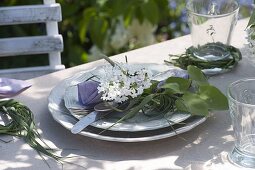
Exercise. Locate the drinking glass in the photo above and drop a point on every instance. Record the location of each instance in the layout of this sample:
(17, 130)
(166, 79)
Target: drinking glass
(241, 96)
(211, 23)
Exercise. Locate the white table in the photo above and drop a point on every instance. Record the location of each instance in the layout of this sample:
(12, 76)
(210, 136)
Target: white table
(206, 146)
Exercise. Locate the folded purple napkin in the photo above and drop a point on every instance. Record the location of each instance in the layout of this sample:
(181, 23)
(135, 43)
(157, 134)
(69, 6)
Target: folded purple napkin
(88, 94)
(12, 87)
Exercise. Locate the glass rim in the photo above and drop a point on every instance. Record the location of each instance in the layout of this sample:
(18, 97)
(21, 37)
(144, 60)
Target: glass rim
(212, 16)
(230, 97)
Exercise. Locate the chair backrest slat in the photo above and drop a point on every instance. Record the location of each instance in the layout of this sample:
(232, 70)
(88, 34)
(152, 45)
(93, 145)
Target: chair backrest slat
(30, 45)
(30, 14)
(51, 43)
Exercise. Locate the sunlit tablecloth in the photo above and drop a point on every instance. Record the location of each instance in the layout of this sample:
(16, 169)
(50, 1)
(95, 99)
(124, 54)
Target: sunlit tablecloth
(205, 147)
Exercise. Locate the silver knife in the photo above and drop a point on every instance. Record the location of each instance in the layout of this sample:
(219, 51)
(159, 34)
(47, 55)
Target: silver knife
(85, 121)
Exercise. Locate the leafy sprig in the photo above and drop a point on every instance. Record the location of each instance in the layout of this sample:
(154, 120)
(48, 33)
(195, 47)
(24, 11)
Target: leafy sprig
(194, 95)
(251, 22)
(22, 125)
(188, 58)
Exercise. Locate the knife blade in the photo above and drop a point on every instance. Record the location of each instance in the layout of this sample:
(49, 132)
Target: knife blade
(85, 121)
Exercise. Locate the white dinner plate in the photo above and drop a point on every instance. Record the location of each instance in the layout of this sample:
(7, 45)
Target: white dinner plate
(139, 122)
(61, 114)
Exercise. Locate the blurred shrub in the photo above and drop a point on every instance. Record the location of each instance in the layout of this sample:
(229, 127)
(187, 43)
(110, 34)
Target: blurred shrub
(91, 27)
(109, 26)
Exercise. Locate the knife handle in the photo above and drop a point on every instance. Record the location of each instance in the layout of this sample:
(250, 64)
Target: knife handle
(84, 122)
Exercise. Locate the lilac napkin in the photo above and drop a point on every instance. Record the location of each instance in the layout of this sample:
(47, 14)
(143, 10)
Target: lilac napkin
(88, 94)
(12, 87)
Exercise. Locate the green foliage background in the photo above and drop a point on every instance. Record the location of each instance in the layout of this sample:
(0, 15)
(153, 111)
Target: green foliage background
(86, 22)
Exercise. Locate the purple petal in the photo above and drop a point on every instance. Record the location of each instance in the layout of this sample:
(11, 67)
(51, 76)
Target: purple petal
(88, 93)
(179, 73)
(12, 87)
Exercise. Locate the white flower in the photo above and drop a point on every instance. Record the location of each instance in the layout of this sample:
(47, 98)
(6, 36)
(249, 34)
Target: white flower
(142, 33)
(123, 81)
(120, 37)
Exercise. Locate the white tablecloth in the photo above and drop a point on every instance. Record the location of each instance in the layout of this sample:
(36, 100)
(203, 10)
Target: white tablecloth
(205, 147)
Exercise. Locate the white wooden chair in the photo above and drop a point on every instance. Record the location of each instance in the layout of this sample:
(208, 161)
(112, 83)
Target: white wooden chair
(52, 44)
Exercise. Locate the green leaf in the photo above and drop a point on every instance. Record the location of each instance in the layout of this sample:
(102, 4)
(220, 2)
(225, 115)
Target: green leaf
(128, 16)
(136, 109)
(88, 14)
(194, 104)
(180, 106)
(162, 5)
(98, 30)
(252, 19)
(84, 57)
(214, 98)
(196, 75)
(150, 11)
(138, 14)
(184, 84)
(152, 88)
(132, 111)
(172, 88)
(117, 8)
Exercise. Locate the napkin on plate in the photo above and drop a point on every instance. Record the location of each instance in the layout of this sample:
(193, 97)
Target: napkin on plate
(88, 94)
(12, 87)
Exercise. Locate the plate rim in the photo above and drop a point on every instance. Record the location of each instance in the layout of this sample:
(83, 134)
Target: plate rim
(52, 110)
(178, 131)
(127, 126)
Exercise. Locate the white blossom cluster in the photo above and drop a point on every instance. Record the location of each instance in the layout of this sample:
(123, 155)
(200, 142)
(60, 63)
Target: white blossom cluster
(135, 35)
(123, 81)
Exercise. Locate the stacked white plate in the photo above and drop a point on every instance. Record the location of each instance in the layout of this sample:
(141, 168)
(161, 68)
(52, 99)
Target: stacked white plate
(64, 97)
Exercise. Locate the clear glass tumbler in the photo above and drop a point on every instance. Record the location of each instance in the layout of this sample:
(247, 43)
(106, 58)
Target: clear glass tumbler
(211, 23)
(241, 96)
